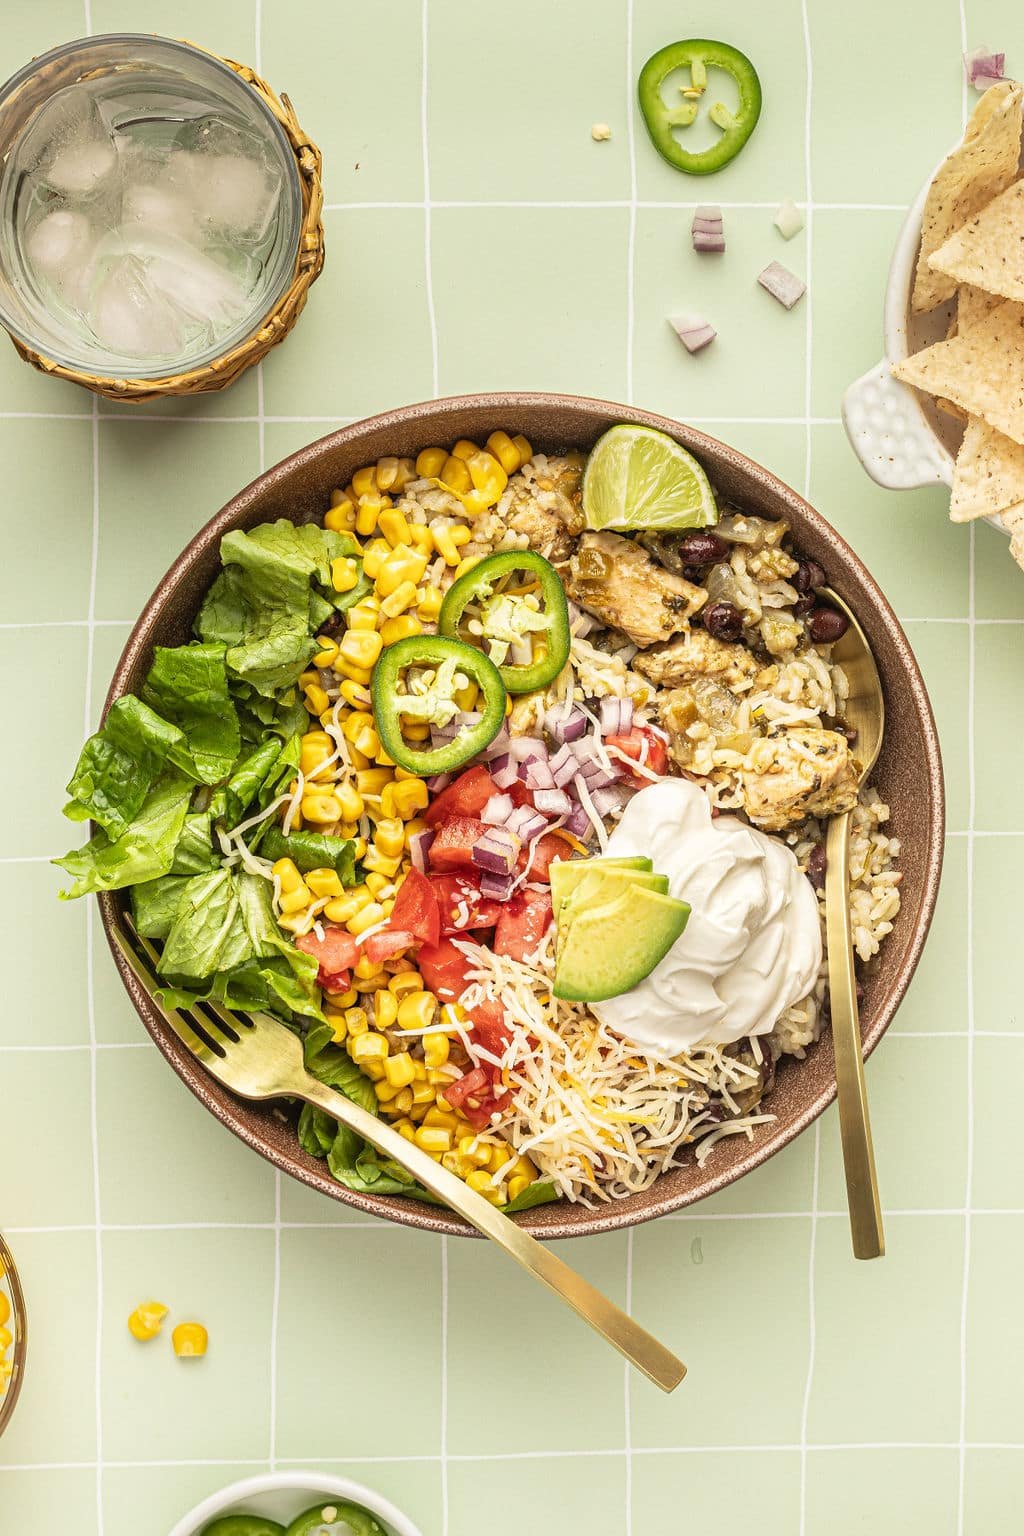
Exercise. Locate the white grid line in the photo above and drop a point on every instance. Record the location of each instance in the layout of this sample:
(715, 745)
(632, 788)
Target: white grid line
(570, 204)
(627, 1388)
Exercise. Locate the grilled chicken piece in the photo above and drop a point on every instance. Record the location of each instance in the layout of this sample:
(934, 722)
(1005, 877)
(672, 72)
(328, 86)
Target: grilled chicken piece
(803, 771)
(698, 654)
(616, 580)
(546, 531)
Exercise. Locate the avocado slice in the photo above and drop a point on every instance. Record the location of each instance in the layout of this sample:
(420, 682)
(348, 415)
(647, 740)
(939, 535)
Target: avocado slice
(566, 874)
(610, 948)
(600, 887)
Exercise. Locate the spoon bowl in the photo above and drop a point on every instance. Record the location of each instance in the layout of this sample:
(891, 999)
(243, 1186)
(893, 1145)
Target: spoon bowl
(864, 711)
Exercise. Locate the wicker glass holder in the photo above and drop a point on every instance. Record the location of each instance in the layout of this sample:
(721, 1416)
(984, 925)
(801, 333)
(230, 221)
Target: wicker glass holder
(309, 262)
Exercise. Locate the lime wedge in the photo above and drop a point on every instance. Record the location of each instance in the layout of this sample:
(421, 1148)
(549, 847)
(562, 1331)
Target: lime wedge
(639, 478)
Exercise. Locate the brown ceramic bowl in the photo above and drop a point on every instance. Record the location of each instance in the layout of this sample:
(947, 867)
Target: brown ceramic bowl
(17, 1324)
(908, 774)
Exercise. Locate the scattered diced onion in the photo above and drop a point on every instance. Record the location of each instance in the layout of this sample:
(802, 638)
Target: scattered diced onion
(496, 887)
(438, 781)
(984, 68)
(497, 810)
(504, 770)
(578, 823)
(419, 847)
(553, 802)
(564, 766)
(497, 851)
(568, 727)
(616, 715)
(524, 747)
(707, 231)
(789, 221)
(693, 331)
(539, 775)
(782, 284)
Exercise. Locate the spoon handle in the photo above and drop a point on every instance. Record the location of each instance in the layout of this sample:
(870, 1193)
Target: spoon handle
(854, 1121)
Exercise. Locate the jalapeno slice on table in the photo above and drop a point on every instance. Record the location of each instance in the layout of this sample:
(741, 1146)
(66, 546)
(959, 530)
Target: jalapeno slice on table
(415, 684)
(698, 54)
(514, 604)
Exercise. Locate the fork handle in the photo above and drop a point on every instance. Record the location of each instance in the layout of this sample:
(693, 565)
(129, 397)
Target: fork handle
(854, 1120)
(617, 1327)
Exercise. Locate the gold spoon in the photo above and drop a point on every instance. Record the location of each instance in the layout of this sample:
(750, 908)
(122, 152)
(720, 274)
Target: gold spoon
(864, 713)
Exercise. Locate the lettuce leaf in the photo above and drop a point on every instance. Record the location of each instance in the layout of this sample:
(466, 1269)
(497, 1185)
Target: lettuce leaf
(142, 852)
(188, 685)
(155, 905)
(194, 852)
(263, 607)
(311, 850)
(117, 765)
(208, 933)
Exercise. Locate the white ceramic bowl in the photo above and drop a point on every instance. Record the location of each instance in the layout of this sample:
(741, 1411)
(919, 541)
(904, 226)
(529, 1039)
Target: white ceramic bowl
(900, 436)
(283, 1495)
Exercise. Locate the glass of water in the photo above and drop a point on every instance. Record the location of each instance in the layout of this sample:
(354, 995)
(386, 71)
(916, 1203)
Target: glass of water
(150, 207)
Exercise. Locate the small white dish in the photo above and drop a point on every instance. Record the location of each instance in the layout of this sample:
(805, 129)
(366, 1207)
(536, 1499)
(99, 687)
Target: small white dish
(283, 1495)
(900, 436)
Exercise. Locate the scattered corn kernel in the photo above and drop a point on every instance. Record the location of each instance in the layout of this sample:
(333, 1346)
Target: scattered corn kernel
(380, 865)
(297, 900)
(525, 451)
(385, 1012)
(325, 882)
(516, 1186)
(288, 874)
(480, 1180)
(505, 451)
(316, 699)
(364, 481)
(339, 1027)
(367, 1045)
(403, 597)
(403, 564)
(327, 652)
(342, 516)
(146, 1321)
(465, 449)
(400, 628)
(444, 543)
(344, 574)
(433, 1138)
(190, 1341)
(430, 462)
(394, 525)
(355, 695)
(389, 838)
(398, 1070)
(367, 918)
(371, 781)
(435, 1049)
(416, 1010)
(429, 605)
(475, 1151)
(455, 475)
(322, 808)
(361, 647)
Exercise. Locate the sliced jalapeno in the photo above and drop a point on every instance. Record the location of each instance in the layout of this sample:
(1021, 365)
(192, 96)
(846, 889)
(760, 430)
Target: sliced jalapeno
(524, 627)
(696, 54)
(416, 681)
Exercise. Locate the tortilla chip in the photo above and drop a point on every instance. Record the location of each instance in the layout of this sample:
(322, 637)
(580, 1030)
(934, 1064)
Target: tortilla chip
(949, 409)
(1013, 522)
(989, 474)
(977, 171)
(982, 372)
(988, 252)
(972, 305)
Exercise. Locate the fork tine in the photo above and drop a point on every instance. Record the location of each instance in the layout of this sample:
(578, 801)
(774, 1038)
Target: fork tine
(183, 1024)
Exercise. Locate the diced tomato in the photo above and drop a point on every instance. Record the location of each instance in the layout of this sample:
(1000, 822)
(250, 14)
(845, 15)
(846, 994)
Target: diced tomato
(452, 847)
(458, 894)
(519, 792)
(549, 847)
(387, 943)
(474, 1084)
(654, 758)
(489, 1025)
(466, 797)
(522, 924)
(443, 968)
(477, 1085)
(336, 953)
(416, 908)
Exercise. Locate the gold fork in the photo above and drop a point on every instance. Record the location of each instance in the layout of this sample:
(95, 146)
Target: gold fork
(258, 1057)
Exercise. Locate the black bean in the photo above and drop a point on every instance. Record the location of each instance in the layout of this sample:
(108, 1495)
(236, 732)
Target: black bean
(826, 625)
(802, 606)
(817, 864)
(722, 621)
(692, 572)
(809, 576)
(702, 548)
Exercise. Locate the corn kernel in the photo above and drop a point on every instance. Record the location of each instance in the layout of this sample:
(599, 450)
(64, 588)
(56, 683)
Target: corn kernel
(374, 556)
(419, 538)
(342, 517)
(398, 1070)
(406, 1129)
(429, 605)
(525, 451)
(487, 476)
(376, 883)
(400, 628)
(416, 1010)
(423, 1095)
(339, 1028)
(325, 882)
(389, 838)
(356, 675)
(474, 1151)
(369, 977)
(415, 730)
(394, 525)
(355, 695)
(367, 918)
(367, 1045)
(143, 1324)
(7, 1337)
(362, 616)
(455, 475)
(308, 678)
(403, 564)
(350, 800)
(316, 700)
(465, 448)
(345, 907)
(313, 756)
(364, 481)
(402, 1102)
(403, 597)
(443, 1117)
(467, 565)
(387, 473)
(480, 1180)
(190, 1341)
(433, 1138)
(460, 534)
(430, 462)
(368, 513)
(288, 874)
(505, 451)
(516, 1187)
(379, 865)
(344, 574)
(435, 1049)
(405, 982)
(439, 1076)
(367, 742)
(501, 1157)
(385, 1011)
(321, 808)
(371, 781)
(444, 544)
(297, 900)
(456, 1164)
(466, 697)
(361, 647)
(411, 795)
(327, 652)
(355, 723)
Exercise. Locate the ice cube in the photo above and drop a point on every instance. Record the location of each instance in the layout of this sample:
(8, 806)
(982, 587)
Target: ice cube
(232, 179)
(72, 151)
(157, 207)
(129, 318)
(61, 246)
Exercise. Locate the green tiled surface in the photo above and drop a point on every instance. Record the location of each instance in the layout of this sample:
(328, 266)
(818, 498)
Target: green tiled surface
(825, 1398)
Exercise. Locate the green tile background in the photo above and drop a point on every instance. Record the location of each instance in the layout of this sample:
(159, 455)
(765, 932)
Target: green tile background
(825, 1397)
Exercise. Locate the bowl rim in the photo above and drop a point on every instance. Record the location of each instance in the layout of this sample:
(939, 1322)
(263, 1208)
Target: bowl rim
(19, 1315)
(618, 1214)
(333, 1484)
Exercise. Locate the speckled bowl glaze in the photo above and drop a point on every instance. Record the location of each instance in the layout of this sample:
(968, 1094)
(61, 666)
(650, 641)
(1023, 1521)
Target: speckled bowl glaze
(908, 775)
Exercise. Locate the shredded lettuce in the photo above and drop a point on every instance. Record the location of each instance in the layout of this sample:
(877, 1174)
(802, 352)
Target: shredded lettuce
(188, 685)
(144, 850)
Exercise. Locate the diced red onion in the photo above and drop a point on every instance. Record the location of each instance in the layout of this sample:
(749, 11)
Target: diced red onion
(438, 781)
(521, 653)
(443, 735)
(504, 770)
(596, 775)
(693, 331)
(539, 775)
(499, 745)
(524, 747)
(526, 823)
(789, 221)
(616, 715)
(497, 810)
(419, 847)
(782, 284)
(606, 800)
(568, 727)
(496, 852)
(581, 621)
(707, 230)
(563, 766)
(496, 887)
(984, 68)
(579, 823)
(553, 802)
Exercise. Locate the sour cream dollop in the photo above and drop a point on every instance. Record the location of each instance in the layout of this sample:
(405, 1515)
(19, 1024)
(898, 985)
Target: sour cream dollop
(752, 946)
